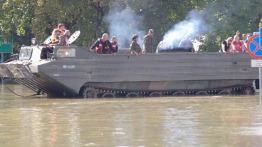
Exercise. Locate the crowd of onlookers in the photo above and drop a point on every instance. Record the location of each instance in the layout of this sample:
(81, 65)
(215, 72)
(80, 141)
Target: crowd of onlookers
(104, 46)
(60, 36)
(235, 44)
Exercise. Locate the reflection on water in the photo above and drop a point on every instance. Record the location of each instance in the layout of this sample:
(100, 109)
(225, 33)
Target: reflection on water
(187, 121)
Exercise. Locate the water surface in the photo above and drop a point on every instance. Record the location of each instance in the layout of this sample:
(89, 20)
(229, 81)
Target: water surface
(141, 122)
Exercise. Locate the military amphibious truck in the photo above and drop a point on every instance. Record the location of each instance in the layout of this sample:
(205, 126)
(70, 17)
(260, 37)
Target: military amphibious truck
(72, 71)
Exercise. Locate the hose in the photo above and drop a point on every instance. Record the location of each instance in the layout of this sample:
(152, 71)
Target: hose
(16, 93)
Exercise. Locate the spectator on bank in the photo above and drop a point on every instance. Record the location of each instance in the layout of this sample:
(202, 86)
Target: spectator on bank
(225, 45)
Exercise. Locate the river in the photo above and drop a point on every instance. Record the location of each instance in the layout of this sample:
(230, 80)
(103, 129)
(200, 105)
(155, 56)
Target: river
(210, 121)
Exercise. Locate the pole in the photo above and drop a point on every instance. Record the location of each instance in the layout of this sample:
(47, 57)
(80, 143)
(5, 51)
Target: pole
(260, 68)
(260, 38)
(2, 57)
(260, 83)
(2, 61)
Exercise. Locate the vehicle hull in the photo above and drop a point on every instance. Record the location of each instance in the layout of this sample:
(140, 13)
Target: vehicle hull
(70, 76)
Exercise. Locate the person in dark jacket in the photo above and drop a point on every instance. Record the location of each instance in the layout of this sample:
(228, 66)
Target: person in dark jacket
(102, 45)
(187, 44)
(225, 45)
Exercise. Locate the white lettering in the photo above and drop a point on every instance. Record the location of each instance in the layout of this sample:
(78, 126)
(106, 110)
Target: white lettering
(69, 66)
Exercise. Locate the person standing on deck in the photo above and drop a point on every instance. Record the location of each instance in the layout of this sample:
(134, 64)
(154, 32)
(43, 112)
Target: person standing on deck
(135, 47)
(102, 45)
(114, 45)
(237, 45)
(148, 46)
(225, 45)
(187, 44)
(62, 28)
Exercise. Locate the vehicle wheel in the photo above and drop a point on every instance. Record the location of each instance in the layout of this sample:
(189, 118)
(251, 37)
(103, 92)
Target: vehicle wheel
(179, 93)
(224, 92)
(132, 95)
(108, 95)
(201, 93)
(90, 92)
(249, 91)
(155, 94)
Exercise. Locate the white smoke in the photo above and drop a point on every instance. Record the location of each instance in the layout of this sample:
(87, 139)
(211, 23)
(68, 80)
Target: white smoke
(193, 26)
(124, 25)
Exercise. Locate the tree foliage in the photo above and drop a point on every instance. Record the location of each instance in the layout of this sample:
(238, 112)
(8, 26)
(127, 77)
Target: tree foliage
(24, 19)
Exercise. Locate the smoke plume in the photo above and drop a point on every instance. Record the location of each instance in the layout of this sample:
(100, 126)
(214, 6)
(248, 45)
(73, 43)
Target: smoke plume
(193, 26)
(124, 24)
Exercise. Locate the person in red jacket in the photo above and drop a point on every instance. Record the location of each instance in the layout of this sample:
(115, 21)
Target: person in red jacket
(237, 45)
(114, 45)
(102, 45)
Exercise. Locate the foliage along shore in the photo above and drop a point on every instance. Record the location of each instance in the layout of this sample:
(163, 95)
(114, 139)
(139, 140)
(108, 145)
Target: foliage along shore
(25, 19)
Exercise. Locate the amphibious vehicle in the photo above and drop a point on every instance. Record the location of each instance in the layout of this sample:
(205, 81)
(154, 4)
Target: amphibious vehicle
(72, 71)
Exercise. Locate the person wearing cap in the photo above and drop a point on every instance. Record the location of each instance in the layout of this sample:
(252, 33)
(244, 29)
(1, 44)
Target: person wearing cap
(103, 45)
(225, 45)
(148, 45)
(135, 47)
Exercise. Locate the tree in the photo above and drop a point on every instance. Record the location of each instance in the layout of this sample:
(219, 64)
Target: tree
(228, 16)
(16, 21)
(24, 19)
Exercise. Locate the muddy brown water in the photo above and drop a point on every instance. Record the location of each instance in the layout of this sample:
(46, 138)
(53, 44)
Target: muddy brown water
(142, 122)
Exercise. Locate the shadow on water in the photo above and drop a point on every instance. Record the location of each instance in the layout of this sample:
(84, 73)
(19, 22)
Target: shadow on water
(181, 121)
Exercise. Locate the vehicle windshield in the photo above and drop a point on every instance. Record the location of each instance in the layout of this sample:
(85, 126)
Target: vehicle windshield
(66, 52)
(25, 53)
